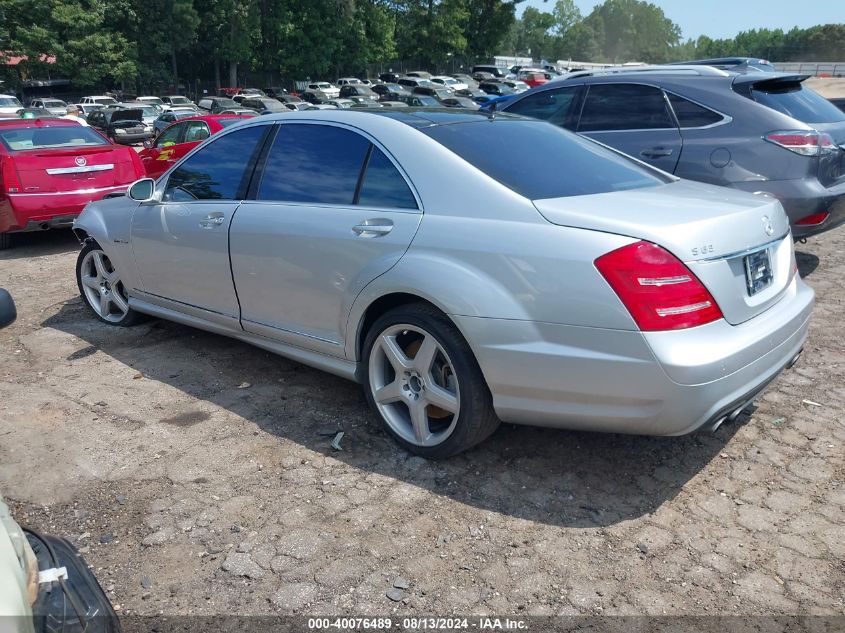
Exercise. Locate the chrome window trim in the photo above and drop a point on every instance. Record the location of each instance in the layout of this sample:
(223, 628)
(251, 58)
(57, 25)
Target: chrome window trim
(726, 118)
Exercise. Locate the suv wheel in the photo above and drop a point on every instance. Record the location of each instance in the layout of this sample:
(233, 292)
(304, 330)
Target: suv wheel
(425, 384)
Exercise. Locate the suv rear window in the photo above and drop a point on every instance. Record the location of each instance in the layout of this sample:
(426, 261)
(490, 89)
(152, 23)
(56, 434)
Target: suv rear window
(49, 137)
(541, 160)
(796, 101)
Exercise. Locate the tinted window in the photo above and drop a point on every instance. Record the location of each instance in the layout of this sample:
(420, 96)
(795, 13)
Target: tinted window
(549, 105)
(217, 171)
(691, 114)
(170, 136)
(542, 160)
(383, 185)
(313, 163)
(798, 102)
(196, 131)
(624, 107)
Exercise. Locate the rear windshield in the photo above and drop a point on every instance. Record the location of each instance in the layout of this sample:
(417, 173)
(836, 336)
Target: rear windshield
(178, 100)
(54, 104)
(48, 137)
(798, 102)
(540, 160)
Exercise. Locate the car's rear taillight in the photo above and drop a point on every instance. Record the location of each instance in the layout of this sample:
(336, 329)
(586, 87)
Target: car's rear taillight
(804, 142)
(656, 288)
(9, 175)
(813, 219)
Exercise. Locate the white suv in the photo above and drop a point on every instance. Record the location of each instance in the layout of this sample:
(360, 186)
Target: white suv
(9, 106)
(99, 100)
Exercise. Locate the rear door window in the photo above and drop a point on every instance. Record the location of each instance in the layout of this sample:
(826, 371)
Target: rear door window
(796, 101)
(313, 164)
(624, 107)
(691, 114)
(553, 106)
(383, 185)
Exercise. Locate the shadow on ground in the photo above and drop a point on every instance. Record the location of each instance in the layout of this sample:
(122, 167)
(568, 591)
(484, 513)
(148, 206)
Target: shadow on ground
(807, 263)
(554, 477)
(38, 243)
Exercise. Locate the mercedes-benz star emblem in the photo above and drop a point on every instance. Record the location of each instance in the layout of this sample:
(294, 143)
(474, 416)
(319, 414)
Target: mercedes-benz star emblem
(768, 227)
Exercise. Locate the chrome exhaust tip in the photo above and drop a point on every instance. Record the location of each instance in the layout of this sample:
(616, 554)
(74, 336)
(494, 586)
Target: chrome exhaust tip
(795, 358)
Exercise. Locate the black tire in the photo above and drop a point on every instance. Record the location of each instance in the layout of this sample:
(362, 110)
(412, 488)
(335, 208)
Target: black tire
(476, 419)
(5, 241)
(130, 318)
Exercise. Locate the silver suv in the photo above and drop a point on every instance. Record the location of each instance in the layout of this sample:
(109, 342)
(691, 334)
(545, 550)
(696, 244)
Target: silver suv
(757, 132)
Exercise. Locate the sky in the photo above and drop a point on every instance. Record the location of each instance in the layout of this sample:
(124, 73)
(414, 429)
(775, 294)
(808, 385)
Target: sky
(726, 18)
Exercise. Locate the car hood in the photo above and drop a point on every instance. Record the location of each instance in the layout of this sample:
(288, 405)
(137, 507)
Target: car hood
(128, 115)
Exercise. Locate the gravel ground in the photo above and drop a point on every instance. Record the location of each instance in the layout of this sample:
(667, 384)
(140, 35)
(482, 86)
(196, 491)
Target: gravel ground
(196, 475)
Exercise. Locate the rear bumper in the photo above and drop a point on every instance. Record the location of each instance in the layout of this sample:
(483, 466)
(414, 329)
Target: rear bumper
(38, 211)
(129, 139)
(804, 197)
(667, 383)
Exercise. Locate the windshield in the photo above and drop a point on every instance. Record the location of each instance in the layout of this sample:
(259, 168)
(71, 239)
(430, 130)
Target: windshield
(152, 100)
(20, 139)
(54, 103)
(542, 160)
(179, 100)
(149, 110)
(6, 102)
(324, 86)
(105, 101)
(798, 102)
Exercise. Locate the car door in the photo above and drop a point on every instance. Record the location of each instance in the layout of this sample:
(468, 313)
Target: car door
(331, 213)
(163, 154)
(181, 244)
(635, 119)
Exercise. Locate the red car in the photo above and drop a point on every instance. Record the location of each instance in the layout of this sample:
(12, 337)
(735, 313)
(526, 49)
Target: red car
(51, 168)
(181, 137)
(535, 79)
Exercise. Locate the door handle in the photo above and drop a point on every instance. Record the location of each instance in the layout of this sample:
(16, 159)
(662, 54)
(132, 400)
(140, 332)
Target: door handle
(373, 228)
(656, 152)
(212, 220)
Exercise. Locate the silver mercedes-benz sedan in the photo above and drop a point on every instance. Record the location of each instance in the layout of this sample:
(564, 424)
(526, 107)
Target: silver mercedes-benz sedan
(466, 268)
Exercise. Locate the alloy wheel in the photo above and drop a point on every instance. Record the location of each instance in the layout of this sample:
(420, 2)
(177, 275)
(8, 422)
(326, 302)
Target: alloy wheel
(102, 287)
(414, 385)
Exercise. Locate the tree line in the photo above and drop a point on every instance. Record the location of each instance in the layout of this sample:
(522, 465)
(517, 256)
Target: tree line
(152, 44)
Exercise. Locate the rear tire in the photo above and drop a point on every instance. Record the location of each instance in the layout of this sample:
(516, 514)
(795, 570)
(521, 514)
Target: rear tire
(5, 241)
(425, 384)
(101, 288)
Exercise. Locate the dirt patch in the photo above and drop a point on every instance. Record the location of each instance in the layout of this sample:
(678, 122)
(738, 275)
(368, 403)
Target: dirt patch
(222, 498)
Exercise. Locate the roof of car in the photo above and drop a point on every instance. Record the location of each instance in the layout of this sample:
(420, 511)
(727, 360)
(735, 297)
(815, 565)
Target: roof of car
(412, 117)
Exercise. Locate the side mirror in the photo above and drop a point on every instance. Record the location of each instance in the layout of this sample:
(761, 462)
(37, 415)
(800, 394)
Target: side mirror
(8, 313)
(143, 190)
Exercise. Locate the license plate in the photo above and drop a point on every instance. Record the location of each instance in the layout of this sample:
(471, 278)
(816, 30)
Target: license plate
(758, 271)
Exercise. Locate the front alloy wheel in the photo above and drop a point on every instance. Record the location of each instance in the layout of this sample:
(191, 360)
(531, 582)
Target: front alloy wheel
(425, 383)
(101, 288)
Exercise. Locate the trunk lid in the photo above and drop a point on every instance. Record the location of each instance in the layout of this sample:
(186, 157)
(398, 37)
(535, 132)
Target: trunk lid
(711, 229)
(73, 168)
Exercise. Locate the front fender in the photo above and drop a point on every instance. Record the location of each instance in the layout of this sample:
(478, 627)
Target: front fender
(109, 222)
